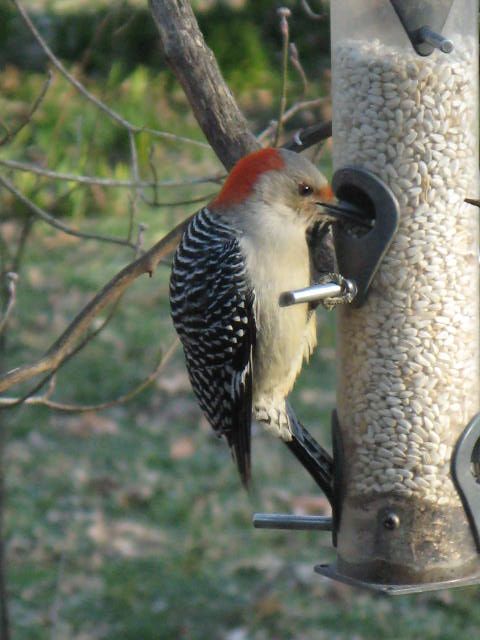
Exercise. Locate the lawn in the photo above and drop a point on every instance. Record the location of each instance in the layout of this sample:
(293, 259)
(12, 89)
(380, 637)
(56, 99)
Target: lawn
(131, 522)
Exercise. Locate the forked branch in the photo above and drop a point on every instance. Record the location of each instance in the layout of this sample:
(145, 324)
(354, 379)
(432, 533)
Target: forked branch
(63, 346)
(195, 67)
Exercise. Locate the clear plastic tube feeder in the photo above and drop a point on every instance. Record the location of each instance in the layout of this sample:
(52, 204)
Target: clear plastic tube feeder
(405, 108)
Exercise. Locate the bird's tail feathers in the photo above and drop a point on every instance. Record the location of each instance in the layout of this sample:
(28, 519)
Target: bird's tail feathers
(240, 447)
(239, 438)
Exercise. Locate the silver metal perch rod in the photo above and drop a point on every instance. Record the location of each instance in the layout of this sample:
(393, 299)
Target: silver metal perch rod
(291, 522)
(317, 292)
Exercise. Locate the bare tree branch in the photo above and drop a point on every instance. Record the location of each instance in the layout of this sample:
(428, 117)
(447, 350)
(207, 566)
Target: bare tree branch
(194, 65)
(284, 13)
(179, 203)
(136, 192)
(11, 288)
(104, 182)
(45, 400)
(288, 115)
(113, 115)
(296, 63)
(217, 113)
(63, 346)
(11, 134)
(53, 222)
(311, 13)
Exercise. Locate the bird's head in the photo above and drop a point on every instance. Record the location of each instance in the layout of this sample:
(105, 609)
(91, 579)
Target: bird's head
(282, 180)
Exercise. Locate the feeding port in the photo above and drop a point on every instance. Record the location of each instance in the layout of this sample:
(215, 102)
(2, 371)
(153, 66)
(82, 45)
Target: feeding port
(408, 373)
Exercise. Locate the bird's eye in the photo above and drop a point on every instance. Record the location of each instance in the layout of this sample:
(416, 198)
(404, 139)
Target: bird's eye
(304, 189)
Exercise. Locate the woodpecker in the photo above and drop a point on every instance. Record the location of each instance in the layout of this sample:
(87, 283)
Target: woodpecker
(237, 255)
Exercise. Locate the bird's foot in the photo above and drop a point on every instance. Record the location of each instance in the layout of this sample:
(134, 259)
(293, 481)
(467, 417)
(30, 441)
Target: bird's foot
(348, 293)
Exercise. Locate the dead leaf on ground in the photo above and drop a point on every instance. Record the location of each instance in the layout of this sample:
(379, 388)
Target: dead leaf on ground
(129, 539)
(103, 484)
(174, 382)
(135, 496)
(182, 448)
(88, 424)
(310, 505)
(240, 633)
(268, 606)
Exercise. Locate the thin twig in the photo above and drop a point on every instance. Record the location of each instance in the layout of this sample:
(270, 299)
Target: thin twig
(113, 115)
(64, 345)
(135, 190)
(180, 203)
(311, 13)
(53, 222)
(105, 182)
(284, 14)
(295, 60)
(50, 377)
(142, 227)
(45, 400)
(11, 289)
(195, 67)
(43, 92)
(22, 243)
(288, 115)
(153, 169)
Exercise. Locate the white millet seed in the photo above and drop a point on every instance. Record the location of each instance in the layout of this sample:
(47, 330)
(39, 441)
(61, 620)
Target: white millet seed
(409, 376)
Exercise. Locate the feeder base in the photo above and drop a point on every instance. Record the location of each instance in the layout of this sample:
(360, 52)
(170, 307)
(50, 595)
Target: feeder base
(330, 571)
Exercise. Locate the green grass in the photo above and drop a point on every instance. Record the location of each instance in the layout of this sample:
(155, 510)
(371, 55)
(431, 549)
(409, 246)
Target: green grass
(131, 523)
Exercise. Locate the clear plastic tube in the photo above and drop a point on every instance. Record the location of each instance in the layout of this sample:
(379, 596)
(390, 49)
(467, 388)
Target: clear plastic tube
(408, 379)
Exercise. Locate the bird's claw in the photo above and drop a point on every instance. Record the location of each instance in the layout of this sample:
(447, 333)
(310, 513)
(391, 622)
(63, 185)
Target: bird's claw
(349, 290)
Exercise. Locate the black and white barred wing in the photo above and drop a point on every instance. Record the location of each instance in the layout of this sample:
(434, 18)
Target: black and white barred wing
(212, 310)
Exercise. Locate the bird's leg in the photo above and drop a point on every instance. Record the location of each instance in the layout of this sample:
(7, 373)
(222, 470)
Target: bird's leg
(313, 457)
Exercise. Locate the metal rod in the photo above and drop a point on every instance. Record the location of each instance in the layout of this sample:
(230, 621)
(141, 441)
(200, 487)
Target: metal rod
(425, 34)
(311, 294)
(294, 523)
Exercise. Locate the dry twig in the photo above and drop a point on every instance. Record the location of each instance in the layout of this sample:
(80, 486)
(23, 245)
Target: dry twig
(53, 222)
(288, 115)
(45, 400)
(311, 13)
(105, 182)
(136, 192)
(194, 65)
(64, 345)
(11, 288)
(284, 13)
(296, 64)
(113, 115)
(43, 92)
(183, 44)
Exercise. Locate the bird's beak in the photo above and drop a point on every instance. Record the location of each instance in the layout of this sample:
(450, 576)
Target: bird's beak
(346, 213)
(326, 193)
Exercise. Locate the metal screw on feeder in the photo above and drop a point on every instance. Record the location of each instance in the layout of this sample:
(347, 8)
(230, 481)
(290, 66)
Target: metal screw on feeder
(406, 432)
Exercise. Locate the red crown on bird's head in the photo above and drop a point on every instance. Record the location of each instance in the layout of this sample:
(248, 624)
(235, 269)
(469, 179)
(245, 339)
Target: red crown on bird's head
(241, 179)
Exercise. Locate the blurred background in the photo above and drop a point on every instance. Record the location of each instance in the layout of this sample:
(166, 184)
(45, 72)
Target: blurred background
(129, 522)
